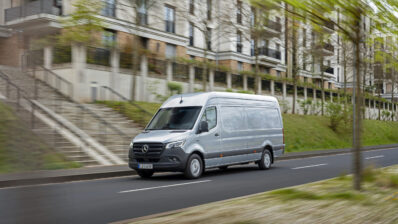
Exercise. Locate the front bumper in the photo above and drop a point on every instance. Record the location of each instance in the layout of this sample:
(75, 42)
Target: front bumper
(173, 160)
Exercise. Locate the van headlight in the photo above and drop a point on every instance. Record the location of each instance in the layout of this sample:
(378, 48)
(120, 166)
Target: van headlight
(131, 145)
(177, 144)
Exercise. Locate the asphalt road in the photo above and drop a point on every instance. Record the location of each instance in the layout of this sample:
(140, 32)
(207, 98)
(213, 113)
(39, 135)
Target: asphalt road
(115, 199)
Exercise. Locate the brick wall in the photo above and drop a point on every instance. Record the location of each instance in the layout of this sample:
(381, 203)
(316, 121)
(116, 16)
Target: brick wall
(9, 51)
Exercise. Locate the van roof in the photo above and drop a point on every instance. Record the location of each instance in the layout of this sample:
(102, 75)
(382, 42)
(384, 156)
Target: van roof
(200, 99)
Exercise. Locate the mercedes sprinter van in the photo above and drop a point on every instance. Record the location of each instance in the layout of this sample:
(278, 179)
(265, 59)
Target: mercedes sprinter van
(194, 132)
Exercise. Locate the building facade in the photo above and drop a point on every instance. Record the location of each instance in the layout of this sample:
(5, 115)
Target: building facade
(218, 31)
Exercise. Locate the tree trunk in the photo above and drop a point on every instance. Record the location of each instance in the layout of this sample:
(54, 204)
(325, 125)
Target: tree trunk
(357, 120)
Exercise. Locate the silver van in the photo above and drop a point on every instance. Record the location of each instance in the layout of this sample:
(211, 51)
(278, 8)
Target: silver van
(194, 132)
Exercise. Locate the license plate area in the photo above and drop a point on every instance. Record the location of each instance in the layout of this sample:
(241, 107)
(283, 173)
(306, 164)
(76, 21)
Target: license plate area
(145, 166)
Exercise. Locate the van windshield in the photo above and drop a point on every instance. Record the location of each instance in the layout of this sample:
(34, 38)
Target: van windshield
(176, 118)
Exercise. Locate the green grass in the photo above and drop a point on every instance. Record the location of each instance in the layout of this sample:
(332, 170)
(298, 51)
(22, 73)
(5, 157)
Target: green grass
(302, 132)
(22, 150)
(305, 133)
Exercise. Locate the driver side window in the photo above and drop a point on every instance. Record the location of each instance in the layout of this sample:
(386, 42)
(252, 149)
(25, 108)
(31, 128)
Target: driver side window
(210, 115)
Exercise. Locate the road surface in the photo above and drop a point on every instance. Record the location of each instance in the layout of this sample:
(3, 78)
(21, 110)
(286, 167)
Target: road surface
(115, 199)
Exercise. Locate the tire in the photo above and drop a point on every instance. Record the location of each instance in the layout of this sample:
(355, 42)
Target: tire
(145, 173)
(266, 160)
(223, 167)
(194, 167)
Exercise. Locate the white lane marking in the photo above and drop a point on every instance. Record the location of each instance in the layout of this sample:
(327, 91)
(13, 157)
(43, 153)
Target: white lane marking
(310, 166)
(165, 186)
(375, 157)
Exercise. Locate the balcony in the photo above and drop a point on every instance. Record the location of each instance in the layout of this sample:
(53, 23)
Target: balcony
(328, 47)
(273, 25)
(32, 8)
(265, 51)
(328, 26)
(330, 70)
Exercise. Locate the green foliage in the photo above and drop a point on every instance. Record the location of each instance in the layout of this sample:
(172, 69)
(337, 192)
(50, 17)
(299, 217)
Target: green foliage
(386, 115)
(83, 26)
(305, 105)
(336, 115)
(284, 105)
(22, 150)
(174, 87)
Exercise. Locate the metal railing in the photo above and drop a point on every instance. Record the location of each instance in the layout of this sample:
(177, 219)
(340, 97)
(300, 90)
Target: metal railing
(273, 25)
(32, 8)
(269, 52)
(59, 84)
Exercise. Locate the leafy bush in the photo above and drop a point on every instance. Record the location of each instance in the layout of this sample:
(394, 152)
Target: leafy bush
(284, 104)
(385, 114)
(305, 105)
(174, 88)
(336, 115)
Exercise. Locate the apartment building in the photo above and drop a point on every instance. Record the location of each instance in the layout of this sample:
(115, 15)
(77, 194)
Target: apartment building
(218, 30)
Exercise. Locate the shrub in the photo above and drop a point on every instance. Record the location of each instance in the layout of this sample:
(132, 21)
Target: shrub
(305, 105)
(336, 115)
(284, 104)
(174, 88)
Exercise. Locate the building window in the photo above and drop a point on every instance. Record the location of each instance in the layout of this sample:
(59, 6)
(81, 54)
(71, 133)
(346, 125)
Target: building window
(171, 50)
(239, 42)
(278, 73)
(192, 7)
(304, 37)
(252, 17)
(142, 13)
(109, 38)
(305, 79)
(240, 66)
(252, 53)
(239, 12)
(208, 41)
(170, 19)
(109, 8)
(209, 7)
(329, 85)
(191, 34)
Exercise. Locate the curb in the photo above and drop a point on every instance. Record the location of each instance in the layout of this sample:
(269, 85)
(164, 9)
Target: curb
(92, 173)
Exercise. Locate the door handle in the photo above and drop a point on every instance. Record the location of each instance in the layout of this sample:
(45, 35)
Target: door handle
(216, 134)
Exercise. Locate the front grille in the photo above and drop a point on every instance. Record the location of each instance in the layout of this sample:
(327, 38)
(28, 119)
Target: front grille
(154, 150)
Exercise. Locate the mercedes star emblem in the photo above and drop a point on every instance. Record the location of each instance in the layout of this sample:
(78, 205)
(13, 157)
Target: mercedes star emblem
(145, 148)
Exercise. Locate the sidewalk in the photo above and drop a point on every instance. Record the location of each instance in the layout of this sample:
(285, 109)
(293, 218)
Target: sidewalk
(91, 173)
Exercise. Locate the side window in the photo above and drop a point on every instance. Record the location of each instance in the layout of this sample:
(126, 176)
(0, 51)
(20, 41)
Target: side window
(210, 115)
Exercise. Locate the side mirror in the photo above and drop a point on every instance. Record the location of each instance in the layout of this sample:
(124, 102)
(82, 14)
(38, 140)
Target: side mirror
(203, 127)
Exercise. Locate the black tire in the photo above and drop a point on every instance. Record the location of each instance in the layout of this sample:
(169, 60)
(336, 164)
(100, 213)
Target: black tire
(266, 160)
(194, 167)
(223, 167)
(145, 173)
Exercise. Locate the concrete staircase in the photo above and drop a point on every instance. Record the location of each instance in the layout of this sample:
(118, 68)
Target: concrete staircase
(106, 127)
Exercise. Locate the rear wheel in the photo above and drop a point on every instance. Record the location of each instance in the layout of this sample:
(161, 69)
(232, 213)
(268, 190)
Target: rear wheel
(145, 173)
(194, 167)
(266, 160)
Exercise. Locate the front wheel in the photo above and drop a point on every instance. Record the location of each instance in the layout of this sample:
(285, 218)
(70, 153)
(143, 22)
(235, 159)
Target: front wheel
(145, 173)
(266, 161)
(194, 167)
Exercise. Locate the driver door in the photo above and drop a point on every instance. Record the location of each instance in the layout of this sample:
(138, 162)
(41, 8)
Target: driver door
(211, 141)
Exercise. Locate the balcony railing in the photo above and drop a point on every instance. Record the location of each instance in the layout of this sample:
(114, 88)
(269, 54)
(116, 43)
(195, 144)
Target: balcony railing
(32, 8)
(274, 25)
(330, 70)
(329, 25)
(328, 47)
(269, 53)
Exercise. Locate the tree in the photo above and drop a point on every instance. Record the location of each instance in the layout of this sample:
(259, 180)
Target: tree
(350, 28)
(83, 25)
